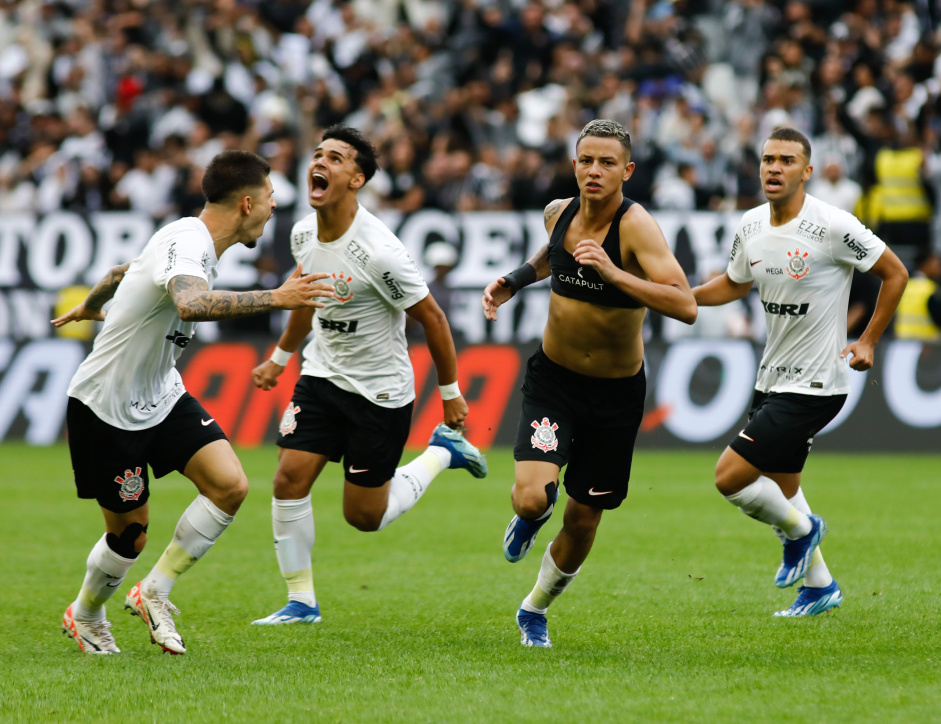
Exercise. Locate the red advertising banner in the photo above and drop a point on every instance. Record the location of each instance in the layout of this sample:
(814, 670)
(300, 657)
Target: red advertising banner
(698, 393)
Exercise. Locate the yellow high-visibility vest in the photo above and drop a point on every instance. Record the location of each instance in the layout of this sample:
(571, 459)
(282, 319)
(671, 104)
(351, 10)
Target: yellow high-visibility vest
(899, 194)
(912, 320)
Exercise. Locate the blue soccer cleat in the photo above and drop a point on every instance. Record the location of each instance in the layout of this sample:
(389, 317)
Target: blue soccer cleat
(811, 601)
(294, 612)
(463, 454)
(520, 535)
(533, 629)
(797, 553)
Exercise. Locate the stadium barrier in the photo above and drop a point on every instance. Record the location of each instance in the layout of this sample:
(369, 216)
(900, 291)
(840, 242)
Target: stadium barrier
(47, 261)
(697, 393)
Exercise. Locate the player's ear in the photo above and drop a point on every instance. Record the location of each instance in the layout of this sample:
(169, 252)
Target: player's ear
(358, 181)
(628, 171)
(808, 170)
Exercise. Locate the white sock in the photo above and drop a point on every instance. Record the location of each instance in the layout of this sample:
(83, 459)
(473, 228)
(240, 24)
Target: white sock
(550, 584)
(764, 501)
(412, 480)
(105, 570)
(293, 524)
(200, 526)
(818, 575)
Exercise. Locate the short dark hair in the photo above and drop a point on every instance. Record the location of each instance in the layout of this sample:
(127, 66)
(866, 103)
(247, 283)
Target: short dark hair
(606, 128)
(231, 171)
(365, 151)
(791, 134)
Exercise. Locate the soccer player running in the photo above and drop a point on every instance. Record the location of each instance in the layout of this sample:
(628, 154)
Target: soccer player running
(355, 395)
(128, 408)
(801, 253)
(583, 395)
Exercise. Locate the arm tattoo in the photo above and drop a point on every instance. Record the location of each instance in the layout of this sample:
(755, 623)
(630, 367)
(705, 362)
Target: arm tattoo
(551, 211)
(105, 289)
(197, 304)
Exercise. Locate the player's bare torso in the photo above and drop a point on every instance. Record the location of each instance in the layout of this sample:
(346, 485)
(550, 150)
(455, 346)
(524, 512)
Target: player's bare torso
(590, 339)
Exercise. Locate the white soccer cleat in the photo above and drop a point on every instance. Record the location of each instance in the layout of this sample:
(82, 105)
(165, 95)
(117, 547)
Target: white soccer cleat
(92, 637)
(157, 613)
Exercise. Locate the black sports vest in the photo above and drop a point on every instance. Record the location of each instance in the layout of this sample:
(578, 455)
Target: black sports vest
(571, 279)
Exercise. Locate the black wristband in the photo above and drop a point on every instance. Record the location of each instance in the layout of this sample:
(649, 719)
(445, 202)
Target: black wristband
(520, 277)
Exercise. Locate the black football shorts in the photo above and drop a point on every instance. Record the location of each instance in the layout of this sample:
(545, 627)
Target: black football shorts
(588, 424)
(781, 428)
(110, 464)
(325, 420)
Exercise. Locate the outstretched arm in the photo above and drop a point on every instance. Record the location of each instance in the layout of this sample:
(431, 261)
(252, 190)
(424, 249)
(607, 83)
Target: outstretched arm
(533, 270)
(90, 308)
(720, 290)
(890, 269)
(441, 346)
(502, 290)
(195, 303)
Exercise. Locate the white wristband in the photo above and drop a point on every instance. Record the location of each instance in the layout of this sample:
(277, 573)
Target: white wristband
(449, 392)
(280, 357)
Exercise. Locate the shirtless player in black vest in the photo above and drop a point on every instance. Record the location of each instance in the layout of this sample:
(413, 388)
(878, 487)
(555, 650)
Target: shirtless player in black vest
(583, 396)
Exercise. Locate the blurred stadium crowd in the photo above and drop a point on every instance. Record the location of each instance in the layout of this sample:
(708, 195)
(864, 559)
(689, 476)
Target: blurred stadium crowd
(474, 104)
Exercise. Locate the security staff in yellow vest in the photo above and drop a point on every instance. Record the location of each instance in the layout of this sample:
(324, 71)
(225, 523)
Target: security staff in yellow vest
(898, 204)
(919, 311)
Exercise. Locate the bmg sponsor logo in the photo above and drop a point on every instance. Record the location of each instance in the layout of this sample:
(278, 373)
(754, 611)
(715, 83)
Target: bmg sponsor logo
(393, 285)
(854, 247)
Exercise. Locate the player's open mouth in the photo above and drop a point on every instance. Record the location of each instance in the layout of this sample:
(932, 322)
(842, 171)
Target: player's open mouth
(774, 184)
(318, 185)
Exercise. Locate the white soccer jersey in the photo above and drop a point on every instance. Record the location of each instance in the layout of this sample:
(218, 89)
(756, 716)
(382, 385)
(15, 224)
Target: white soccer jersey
(130, 378)
(359, 337)
(803, 270)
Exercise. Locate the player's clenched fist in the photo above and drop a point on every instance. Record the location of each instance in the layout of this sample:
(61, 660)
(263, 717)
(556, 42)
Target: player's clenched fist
(265, 375)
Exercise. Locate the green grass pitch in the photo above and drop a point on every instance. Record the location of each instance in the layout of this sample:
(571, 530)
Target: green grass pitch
(669, 620)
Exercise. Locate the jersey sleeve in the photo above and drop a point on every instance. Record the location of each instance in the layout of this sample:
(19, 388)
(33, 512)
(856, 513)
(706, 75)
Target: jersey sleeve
(853, 243)
(397, 278)
(738, 269)
(180, 255)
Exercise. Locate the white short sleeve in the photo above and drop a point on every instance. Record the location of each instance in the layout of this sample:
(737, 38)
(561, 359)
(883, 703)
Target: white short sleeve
(180, 255)
(738, 269)
(854, 243)
(398, 279)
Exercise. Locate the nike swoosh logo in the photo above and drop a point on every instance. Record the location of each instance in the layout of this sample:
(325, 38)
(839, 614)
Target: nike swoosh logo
(155, 625)
(756, 262)
(592, 491)
(358, 470)
(208, 422)
(742, 434)
(113, 585)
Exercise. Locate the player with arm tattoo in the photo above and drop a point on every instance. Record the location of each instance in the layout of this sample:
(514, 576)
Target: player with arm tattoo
(128, 412)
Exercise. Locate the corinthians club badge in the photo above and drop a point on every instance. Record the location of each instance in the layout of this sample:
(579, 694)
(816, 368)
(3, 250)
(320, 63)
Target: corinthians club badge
(289, 420)
(544, 438)
(341, 287)
(132, 485)
(797, 268)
